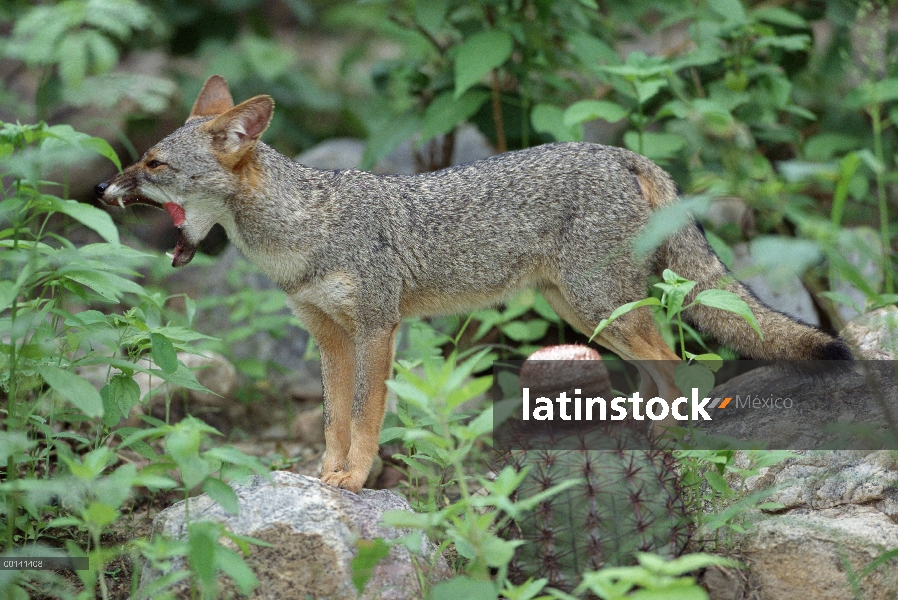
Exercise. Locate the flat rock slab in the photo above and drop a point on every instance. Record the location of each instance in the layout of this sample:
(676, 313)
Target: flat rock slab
(314, 529)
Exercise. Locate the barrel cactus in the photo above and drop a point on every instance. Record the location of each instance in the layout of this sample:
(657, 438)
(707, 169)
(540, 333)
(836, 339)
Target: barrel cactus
(629, 502)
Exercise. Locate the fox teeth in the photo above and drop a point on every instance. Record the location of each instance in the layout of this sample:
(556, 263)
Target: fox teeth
(170, 255)
(121, 202)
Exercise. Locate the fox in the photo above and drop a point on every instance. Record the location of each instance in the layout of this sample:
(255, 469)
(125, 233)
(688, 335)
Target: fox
(356, 253)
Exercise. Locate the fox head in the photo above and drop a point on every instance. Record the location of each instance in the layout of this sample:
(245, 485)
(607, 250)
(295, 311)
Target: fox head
(193, 172)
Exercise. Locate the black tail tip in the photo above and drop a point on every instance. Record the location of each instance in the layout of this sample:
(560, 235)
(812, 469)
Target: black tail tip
(837, 349)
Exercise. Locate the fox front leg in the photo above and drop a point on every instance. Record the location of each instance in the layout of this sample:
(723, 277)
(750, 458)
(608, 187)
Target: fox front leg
(373, 366)
(338, 377)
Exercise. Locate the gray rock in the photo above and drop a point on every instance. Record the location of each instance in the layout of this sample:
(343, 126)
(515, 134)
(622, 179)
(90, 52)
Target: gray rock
(804, 555)
(313, 529)
(346, 153)
(862, 248)
(874, 336)
(840, 507)
(787, 296)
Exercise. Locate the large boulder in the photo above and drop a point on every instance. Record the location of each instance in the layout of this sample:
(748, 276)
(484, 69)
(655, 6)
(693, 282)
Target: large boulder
(839, 507)
(314, 530)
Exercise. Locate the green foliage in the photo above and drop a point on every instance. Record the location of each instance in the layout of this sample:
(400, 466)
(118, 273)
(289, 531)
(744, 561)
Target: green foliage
(748, 104)
(76, 44)
(654, 579)
(65, 479)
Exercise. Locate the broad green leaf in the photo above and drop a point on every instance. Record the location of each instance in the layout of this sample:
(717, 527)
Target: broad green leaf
(73, 59)
(525, 331)
(496, 551)
(712, 361)
(782, 259)
(202, 540)
(478, 55)
(718, 483)
(100, 514)
(430, 14)
(448, 110)
(112, 414)
(547, 118)
(125, 391)
(588, 110)
(102, 147)
(8, 293)
(74, 389)
(464, 587)
(89, 216)
(697, 376)
(366, 560)
(621, 310)
(163, 353)
(592, 52)
(657, 146)
(780, 16)
(222, 493)
(236, 568)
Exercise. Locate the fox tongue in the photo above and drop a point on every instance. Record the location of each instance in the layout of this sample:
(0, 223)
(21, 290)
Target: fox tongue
(184, 251)
(176, 212)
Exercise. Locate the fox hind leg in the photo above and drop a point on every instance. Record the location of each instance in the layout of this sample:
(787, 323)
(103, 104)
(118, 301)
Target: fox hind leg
(633, 336)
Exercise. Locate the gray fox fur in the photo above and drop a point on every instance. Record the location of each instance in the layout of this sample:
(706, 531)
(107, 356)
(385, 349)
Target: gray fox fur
(357, 252)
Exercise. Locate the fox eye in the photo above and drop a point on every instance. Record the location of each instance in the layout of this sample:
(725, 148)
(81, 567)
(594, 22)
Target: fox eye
(155, 164)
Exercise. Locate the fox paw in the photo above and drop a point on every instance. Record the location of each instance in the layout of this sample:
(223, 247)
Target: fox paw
(347, 480)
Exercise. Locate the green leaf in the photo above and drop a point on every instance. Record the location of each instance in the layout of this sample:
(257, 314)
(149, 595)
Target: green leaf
(89, 216)
(448, 110)
(697, 376)
(222, 493)
(657, 146)
(112, 414)
(729, 302)
(100, 514)
(363, 564)
(478, 55)
(780, 16)
(202, 540)
(588, 110)
(430, 15)
(163, 353)
(547, 118)
(464, 587)
(496, 551)
(74, 389)
(621, 310)
(718, 483)
(525, 331)
(125, 392)
(232, 564)
(102, 147)
(8, 292)
(73, 59)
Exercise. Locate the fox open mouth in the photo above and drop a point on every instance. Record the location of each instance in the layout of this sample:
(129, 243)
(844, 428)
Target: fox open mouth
(184, 250)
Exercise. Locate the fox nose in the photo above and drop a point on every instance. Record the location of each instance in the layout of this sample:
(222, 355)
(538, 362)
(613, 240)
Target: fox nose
(100, 188)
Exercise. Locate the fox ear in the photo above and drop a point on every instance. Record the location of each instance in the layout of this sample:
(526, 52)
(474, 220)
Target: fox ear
(214, 99)
(238, 130)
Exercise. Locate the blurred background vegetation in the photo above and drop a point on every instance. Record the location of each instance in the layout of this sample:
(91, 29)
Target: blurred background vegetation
(777, 119)
(789, 107)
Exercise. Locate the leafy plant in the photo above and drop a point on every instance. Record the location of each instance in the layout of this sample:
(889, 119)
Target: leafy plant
(61, 462)
(75, 45)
